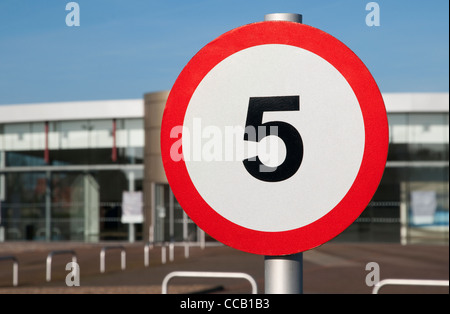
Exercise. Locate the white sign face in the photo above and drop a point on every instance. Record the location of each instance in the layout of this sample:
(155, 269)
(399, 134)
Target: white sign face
(329, 121)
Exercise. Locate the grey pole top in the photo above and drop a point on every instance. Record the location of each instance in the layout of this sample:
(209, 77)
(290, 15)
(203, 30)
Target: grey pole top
(291, 17)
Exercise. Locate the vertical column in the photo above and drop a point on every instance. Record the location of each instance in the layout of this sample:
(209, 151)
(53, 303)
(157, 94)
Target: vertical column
(2, 194)
(114, 136)
(46, 149)
(171, 217)
(131, 226)
(403, 213)
(154, 104)
(48, 207)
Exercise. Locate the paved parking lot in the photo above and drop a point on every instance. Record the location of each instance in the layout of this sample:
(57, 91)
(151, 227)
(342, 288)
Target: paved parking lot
(332, 268)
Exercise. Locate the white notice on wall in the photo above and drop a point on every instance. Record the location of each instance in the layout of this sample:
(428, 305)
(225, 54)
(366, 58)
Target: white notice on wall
(132, 205)
(423, 206)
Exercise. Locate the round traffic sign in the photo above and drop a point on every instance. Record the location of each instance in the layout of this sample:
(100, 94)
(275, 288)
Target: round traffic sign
(274, 138)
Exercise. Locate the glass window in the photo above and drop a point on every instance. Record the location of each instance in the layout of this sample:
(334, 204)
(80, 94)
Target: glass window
(135, 132)
(398, 128)
(171, 222)
(2, 144)
(427, 198)
(418, 137)
(71, 193)
(74, 142)
(24, 158)
(17, 136)
(24, 205)
(427, 128)
(418, 128)
(73, 134)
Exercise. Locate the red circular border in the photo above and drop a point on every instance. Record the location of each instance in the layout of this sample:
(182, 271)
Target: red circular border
(375, 150)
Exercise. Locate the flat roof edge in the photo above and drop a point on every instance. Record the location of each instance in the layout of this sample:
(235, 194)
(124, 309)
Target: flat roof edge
(77, 110)
(134, 108)
(416, 102)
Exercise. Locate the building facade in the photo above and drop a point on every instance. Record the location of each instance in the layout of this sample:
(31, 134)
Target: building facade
(64, 169)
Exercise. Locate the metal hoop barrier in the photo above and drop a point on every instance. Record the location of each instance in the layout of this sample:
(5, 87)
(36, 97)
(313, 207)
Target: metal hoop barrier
(205, 274)
(408, 282)
(48, 274)
(15, 268)
(122, 256)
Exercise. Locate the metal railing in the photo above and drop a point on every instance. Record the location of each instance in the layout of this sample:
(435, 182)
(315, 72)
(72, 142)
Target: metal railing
(123, 256)
(408, 282)
(48, 273)
(15, 268)
(205, 274)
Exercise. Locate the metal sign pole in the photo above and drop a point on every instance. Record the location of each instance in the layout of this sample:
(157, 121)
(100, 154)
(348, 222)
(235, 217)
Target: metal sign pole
(290, 17)
(283, 274)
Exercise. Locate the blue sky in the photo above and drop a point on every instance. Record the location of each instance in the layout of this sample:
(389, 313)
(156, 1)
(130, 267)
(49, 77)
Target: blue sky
(126, 48)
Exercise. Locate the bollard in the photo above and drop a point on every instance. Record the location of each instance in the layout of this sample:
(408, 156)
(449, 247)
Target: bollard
(122, 256)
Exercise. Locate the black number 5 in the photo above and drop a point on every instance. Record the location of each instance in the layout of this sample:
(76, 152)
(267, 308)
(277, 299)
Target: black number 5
(290, 136)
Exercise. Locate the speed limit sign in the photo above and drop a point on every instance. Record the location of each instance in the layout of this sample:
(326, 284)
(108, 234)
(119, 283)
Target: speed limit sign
(274, 138)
